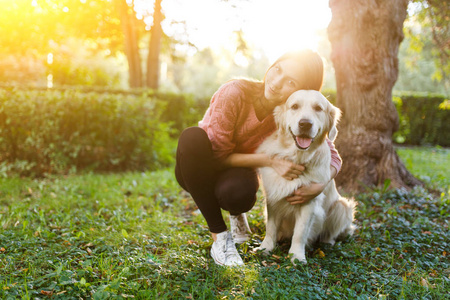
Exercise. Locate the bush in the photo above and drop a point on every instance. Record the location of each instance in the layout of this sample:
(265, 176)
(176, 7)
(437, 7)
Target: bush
(422, 118)
(43, 132)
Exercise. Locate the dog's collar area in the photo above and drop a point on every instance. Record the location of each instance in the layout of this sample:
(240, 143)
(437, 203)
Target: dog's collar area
(301, 145)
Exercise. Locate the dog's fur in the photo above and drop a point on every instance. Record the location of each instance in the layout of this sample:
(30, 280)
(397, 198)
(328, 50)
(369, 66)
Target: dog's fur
(306, 115)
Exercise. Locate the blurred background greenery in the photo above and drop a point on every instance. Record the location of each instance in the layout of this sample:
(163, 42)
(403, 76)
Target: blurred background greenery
(193, 47)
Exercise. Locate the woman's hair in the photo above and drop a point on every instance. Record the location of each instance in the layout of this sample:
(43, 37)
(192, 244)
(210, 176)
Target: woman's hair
(311, 77)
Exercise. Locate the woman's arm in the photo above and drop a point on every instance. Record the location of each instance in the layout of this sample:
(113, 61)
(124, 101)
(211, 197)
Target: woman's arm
(306, 193)
(284, 168)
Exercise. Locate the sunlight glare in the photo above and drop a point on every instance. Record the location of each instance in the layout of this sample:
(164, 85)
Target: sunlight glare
(50, 58)
(273, 26)
(49, 81)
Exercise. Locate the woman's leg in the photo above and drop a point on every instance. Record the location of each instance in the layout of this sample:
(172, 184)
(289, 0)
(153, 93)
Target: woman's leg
(233, 189)
(236, 189)
(196, 171)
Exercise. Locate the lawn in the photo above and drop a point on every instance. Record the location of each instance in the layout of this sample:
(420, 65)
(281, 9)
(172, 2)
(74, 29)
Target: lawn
(137, 235)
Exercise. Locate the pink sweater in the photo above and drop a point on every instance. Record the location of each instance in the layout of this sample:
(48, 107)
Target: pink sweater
(232, 125)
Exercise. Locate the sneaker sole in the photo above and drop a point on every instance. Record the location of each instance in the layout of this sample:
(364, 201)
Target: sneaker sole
(215, 260)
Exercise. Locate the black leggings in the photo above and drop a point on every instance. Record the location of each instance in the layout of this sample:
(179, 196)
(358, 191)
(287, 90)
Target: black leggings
(197, 172)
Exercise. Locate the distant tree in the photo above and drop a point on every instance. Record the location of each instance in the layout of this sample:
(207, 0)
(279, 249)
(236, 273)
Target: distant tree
(32, 26)
(365, 38)
(433, 17)
(131, 38)
(154, 49)
(417, 67)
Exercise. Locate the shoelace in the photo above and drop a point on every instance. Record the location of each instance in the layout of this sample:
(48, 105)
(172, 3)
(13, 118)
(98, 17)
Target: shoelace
(230, 249)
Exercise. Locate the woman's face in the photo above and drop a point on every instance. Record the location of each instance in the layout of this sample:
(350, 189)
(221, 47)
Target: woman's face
(282, 79)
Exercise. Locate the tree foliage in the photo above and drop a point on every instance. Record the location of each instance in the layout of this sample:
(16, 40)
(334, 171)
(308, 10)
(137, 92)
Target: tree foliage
(433, 17)
(33, 26)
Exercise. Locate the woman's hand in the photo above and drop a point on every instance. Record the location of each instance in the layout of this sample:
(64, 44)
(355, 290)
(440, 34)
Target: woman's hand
(306, 193)
(286, 169)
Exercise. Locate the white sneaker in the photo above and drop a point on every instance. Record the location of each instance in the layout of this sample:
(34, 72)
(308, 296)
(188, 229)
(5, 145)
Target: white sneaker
(239, 228)
(224, 251)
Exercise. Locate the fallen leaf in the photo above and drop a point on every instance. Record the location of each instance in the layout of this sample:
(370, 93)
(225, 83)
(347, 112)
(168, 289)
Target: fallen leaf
(319, 253)
(424, 282)
(46, 293)
(433, 273)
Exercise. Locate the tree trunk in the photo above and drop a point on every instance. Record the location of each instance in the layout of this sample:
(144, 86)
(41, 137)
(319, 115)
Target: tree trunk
(365, 36)
(154, 48)
(128, 24)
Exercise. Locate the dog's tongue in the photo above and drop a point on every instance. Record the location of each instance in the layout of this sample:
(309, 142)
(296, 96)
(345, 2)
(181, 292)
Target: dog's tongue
(303, 142)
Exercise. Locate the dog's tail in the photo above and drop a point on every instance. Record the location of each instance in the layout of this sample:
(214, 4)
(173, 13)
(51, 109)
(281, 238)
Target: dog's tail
(339, 221)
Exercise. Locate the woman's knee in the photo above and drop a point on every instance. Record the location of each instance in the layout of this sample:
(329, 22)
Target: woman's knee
(192, 135)
(238, 194)
(237, 203)
(194, 146)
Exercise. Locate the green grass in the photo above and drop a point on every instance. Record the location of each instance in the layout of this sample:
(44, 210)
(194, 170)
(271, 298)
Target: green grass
(136, 235)
(429, 164)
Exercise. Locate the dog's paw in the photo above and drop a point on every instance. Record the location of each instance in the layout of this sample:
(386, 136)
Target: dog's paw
(328, 241)
(262, 250)
(298, 260)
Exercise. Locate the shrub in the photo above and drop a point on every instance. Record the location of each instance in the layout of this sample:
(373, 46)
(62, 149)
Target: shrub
(422, 118)
(58, 131)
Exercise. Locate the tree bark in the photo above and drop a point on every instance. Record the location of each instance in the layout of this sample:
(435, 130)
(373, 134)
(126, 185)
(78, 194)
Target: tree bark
(365, 36)
(128, 24)
(154, 48)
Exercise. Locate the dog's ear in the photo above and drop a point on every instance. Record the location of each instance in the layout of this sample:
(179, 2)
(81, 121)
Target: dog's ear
(280, 120)
(332, 133)
(334, 115)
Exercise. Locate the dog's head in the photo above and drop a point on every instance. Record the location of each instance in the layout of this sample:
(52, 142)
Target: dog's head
(308, 117)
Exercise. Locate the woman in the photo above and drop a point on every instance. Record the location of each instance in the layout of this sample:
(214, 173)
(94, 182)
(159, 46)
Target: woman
(216, 162)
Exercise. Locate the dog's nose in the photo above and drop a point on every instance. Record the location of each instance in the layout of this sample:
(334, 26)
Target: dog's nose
(305, 124)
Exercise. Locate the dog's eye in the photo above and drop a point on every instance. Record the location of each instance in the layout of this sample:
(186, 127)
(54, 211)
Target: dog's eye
(294, 106)
(317, 108)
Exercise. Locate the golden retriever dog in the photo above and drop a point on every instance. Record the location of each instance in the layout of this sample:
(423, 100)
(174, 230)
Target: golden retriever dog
(303, 124)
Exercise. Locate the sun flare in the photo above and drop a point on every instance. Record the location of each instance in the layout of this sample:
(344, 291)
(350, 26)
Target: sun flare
(272, 26)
